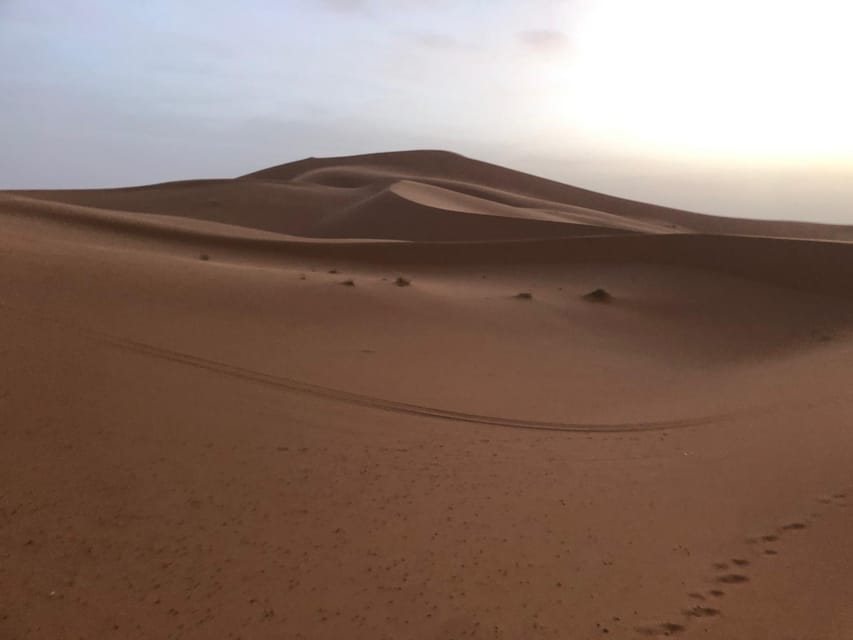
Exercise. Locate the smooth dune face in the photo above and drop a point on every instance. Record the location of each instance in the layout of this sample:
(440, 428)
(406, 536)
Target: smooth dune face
(223, 415)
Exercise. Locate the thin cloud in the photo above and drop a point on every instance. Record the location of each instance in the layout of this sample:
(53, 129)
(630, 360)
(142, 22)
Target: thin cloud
(441, 41)
(544, 40)
(346, 6)
(376, 7)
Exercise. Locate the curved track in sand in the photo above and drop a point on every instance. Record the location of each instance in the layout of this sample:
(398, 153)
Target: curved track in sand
(383, 404)
(368, 401)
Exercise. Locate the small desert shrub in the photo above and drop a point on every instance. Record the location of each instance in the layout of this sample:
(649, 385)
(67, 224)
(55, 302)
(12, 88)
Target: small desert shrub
(524, 295)
(821, 336)
(348, 283)
(402, 282)
(598, 295)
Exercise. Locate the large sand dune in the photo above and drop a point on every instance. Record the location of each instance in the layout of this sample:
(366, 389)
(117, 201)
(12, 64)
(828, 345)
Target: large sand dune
(207, 434)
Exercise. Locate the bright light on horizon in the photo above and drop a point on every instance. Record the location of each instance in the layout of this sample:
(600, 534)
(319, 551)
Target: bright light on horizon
(750, 80)
(737, 107)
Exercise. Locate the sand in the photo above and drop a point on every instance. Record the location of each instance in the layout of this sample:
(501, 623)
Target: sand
(205, 435)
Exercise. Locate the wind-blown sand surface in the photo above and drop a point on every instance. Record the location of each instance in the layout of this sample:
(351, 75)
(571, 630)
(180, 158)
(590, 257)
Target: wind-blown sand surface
(205, 435)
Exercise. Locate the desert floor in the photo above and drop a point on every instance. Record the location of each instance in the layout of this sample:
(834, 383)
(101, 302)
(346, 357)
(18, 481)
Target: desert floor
(208, 432)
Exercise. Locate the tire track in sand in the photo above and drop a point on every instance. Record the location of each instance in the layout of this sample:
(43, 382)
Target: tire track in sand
(394, 406)
(371, 402)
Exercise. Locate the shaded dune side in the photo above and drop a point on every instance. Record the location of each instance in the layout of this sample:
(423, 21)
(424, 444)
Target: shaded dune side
(291, 209)
(379, 208)
(469, 198)
(390, 215)
(346, 177)
(375, 211)
(803, 264)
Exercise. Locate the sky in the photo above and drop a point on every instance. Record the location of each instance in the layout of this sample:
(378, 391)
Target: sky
(733, 107)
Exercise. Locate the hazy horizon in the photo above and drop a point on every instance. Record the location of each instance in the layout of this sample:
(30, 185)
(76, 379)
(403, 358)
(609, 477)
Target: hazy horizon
(595, 93)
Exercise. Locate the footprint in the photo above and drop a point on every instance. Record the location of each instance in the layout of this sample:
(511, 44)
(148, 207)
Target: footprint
(733, 578)
(793, 526)
(740, 562)
(696, 596)
(702, 612)
(770, 538)
(721, 565)
(770, 552)
(717, 593)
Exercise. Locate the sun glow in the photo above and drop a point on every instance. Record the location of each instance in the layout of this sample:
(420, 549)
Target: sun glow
(750, 79)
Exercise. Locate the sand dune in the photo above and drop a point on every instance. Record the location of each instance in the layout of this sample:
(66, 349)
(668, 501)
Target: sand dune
(206, 435)
(307, 198)
(489, 181)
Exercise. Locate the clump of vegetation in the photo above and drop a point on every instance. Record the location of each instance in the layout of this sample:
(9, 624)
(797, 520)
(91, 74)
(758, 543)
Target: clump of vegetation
(524, 295)
(348, 283)
(402, 282)
(598, 295)
(702, 612)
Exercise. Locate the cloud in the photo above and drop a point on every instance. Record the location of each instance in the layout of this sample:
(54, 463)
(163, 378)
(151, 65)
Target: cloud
(544, 40)
(346, 6)
(442, 41)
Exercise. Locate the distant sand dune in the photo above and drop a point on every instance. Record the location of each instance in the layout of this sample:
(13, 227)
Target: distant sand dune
(374, 196)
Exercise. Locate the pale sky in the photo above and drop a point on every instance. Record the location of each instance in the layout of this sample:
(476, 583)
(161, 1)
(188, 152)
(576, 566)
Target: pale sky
(737, 107)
